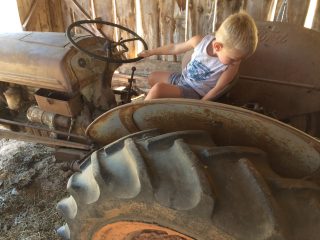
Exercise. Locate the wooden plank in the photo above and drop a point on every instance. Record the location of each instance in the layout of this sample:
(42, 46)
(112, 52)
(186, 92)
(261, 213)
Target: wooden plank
(150, 23)
(55, 11)
(34, 23)
(179, 34)
(104, 10)
(316, 19)
(43, 16)
(43, 140)
(167, 25)
(296, 10)
(259, 10)
(147, 66)
(201, 13)
(35, 15)
(79, 10)
(30, 13)
(24, 7)
(125, 15)
(119, 79)
(181, 4)
(86, 6)
(74, 10)
(66, 13)
(226, 8)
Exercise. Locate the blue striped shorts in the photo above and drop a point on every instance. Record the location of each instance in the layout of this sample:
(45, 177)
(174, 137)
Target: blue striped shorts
(187, 91)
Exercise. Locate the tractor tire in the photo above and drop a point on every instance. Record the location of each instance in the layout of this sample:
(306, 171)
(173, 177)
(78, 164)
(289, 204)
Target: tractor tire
(181, 186)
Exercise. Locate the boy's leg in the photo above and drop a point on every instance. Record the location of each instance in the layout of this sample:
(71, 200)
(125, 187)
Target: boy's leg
(156, 77)
(164, 90)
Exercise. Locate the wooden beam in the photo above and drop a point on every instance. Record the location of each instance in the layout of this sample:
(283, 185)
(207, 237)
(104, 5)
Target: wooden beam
(125, 13)
(48, 15)
(186, 21)
(93, 11)
(150, 24)
(260, 10)
(29, 15)
(297, 11)
(167, 25)
(43, 140)
(316, 19)
(56, 16)
(226, 8)
(201, 17)
(79, 10)
(147, 66)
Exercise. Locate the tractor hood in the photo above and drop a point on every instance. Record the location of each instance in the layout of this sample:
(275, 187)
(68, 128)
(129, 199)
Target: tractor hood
(42, 60)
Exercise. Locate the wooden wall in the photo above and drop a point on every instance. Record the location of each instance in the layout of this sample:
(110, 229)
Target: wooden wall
(162, 21)
(41, 15)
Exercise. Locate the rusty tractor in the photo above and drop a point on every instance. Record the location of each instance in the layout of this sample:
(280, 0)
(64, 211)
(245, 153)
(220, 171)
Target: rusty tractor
(171, 168)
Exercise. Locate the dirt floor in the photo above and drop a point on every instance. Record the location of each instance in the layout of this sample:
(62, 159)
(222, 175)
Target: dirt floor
(31, 184)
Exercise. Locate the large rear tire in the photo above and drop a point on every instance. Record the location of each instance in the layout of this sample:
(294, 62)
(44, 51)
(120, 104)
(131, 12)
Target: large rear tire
(179, 186)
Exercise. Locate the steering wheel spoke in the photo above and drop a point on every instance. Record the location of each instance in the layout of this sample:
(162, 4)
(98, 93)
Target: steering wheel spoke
(109, 51)
(129, 40)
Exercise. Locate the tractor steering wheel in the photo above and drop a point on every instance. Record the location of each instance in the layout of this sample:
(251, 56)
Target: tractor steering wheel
(111, 51)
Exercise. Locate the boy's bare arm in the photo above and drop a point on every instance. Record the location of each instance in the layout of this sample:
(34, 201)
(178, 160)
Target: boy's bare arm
(172, 49)
(224, 79)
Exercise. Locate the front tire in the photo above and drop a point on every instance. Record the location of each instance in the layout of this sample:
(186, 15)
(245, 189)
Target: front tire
(181, 186)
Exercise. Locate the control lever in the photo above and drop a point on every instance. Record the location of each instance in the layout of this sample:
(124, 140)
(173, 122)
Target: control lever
(130, 80)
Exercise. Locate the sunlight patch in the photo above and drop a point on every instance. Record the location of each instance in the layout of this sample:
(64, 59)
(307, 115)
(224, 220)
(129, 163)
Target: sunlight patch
(9, 17)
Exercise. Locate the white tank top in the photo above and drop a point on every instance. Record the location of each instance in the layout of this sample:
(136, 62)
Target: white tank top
(203, 71)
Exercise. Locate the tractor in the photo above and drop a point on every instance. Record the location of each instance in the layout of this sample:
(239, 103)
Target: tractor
(171, 168)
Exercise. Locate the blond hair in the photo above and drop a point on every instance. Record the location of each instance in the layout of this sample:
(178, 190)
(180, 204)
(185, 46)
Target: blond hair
(238, 31)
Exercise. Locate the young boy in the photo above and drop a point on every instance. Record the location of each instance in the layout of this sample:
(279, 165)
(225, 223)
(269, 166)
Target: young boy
(214, 62)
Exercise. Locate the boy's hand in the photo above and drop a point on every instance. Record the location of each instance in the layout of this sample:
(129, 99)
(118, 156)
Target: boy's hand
(145, 53)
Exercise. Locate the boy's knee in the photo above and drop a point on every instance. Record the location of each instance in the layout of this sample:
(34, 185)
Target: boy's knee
(152, 79)
(156, 90)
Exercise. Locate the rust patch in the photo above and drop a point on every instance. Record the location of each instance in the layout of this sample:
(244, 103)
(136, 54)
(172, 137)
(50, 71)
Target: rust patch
(137, 231)
(126, 118)
(150, 234)
(291, 151)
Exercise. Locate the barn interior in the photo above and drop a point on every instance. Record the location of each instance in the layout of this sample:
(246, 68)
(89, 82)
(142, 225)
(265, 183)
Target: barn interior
(54, 82)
